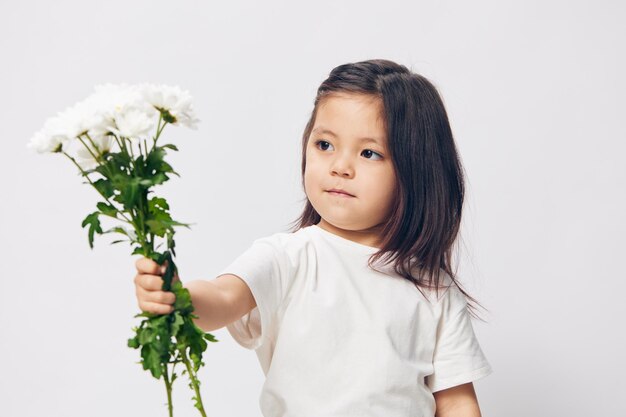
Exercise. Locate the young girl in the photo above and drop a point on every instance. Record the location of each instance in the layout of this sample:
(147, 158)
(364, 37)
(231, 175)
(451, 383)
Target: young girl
(357, 311)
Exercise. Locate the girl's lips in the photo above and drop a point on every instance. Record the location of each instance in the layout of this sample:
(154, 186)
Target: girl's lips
(339, 194)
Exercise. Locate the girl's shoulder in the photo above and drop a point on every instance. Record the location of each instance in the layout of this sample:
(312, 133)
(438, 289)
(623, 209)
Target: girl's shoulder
(285, 238)
(446, 290)
(450, 297)
(286, 244)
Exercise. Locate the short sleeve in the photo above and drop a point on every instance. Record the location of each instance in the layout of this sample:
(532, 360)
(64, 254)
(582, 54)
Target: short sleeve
(457, 357)
(263, 269)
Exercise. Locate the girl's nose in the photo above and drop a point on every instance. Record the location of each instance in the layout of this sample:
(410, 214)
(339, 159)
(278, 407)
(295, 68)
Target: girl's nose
(342, 167)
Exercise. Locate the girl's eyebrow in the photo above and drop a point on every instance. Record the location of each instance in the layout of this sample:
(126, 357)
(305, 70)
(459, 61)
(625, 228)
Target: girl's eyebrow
(323, 130)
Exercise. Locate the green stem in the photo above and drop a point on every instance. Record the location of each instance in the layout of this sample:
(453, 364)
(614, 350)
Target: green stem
(130, 221)
(194, 381)
(156, 136)
(136, 214)
(95, 157)
(94, 146)
(127, 220)
(162, 127)
(159, 130)
(119, 144)
(147, 248)
(168, 387)
(130, 146)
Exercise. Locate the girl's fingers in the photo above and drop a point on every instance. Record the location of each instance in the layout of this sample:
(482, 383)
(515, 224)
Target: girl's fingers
(149, 282)
(156, 296)
(155, 308)
(161, 297)
(146, 266)
(153, 282)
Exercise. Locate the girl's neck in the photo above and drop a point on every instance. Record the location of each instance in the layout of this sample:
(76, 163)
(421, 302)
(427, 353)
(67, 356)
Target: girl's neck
(368, 237)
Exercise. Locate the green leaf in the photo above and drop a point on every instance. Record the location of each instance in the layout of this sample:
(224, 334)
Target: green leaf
(154, 159)
(158, 178)
(107, 209)
(139, 166)
(133, 343)
(158, 203)
(137, 251)
(170, 242)
(156, 227)
(104, 186)
(146, 314)
(177, 322)
(156, 167)
(151, 360)
(119, 161)
(171, 146)
(94, 226)
(117, 229)
(165, 167)
(183, 298)
(159, 219)
(145, 336)
(210, 337)
(129, 193)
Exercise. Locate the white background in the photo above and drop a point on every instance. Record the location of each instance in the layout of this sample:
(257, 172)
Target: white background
(535, 93)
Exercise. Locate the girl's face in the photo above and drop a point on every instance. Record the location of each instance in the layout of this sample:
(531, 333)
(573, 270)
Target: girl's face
(338, 157)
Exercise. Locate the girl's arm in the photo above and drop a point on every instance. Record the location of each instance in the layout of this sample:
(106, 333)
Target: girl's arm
(217, 303)
(459, 401)
(220, 301)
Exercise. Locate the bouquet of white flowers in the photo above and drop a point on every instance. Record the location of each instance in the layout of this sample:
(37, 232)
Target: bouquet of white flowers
(106, 136)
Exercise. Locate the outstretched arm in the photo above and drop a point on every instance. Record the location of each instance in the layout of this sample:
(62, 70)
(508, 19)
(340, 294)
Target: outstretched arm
(220, 301)
(217, 302)
(459, 401)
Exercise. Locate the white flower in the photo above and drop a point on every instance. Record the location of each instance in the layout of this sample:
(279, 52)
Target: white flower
(129, 111)
(133, 122)
(42, 142)
(50, 138)
(173, 100)
(66, 126)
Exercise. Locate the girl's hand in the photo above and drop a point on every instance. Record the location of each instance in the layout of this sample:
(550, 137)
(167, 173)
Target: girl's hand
(148, 283)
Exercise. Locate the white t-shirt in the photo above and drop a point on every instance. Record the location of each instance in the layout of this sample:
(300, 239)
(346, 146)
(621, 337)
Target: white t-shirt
(336, 338)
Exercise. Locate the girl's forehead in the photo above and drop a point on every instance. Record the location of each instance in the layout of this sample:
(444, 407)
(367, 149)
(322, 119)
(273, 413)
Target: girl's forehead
(362, 99)
(351, 113)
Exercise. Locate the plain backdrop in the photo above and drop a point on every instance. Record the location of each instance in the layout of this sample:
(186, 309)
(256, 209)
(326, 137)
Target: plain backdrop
(535, 94)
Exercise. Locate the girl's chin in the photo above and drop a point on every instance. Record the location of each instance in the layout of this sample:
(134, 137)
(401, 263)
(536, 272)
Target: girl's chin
(335, 223)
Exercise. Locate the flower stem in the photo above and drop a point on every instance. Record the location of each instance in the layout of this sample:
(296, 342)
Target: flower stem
(158, 132)
(95, 157)
(194, 381)
(130, 146)
(168, 387)
(127, 220)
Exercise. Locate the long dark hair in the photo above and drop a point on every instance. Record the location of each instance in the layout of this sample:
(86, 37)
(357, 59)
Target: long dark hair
(424, 223)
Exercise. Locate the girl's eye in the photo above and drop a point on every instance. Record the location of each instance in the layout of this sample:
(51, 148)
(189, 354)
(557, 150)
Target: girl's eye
(322, 142)
(368, 153)
(371, 152)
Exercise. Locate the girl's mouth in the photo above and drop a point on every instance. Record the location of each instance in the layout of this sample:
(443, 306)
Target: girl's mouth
(339, 193)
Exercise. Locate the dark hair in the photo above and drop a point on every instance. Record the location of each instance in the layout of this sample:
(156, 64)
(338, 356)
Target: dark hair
(425, 220)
